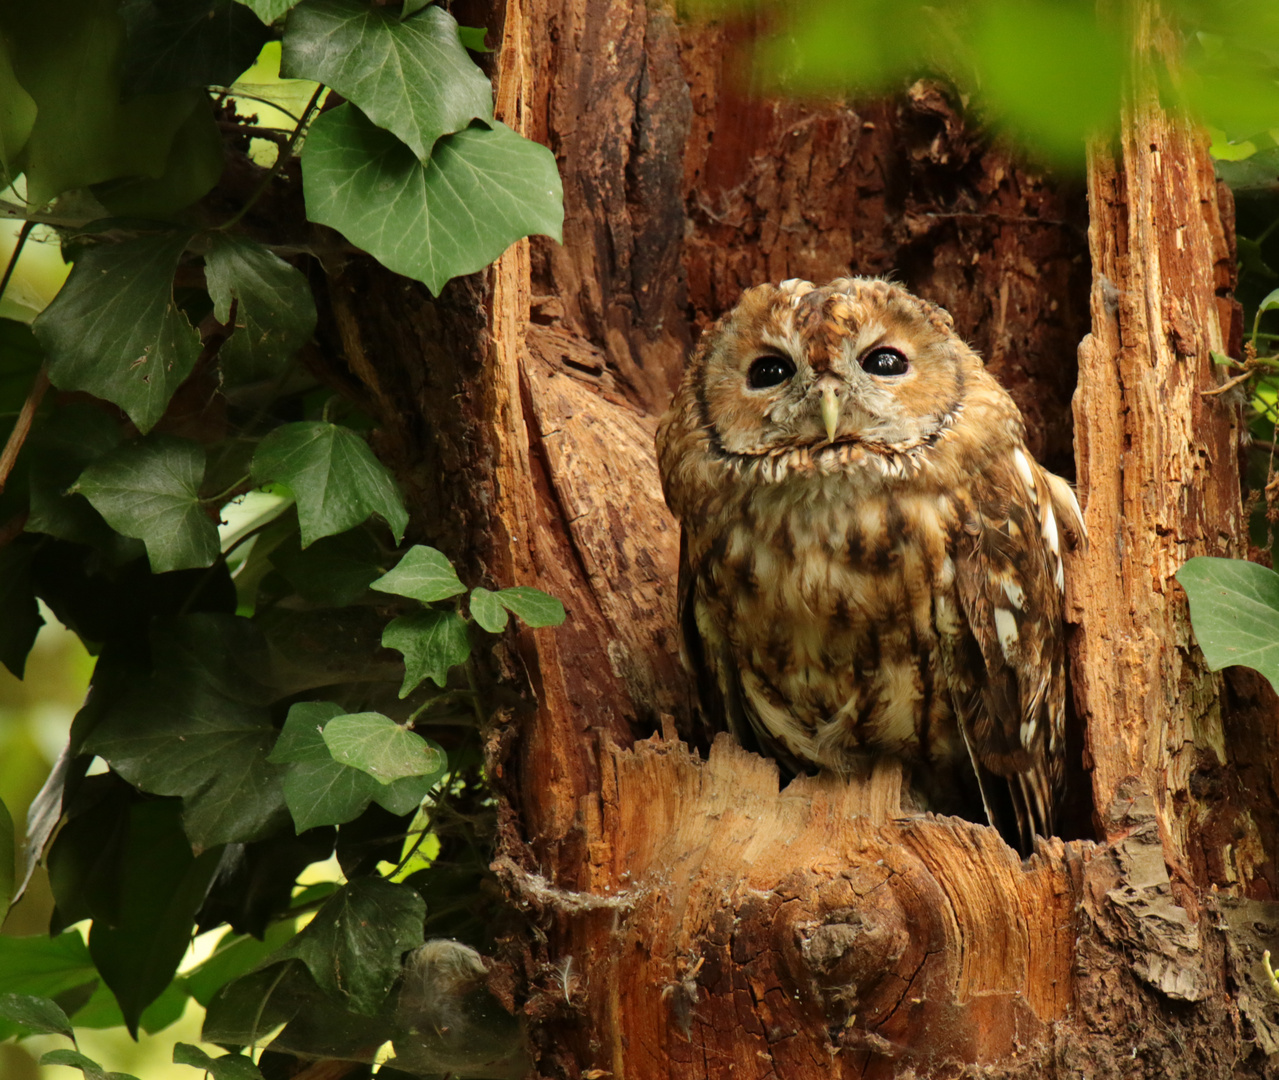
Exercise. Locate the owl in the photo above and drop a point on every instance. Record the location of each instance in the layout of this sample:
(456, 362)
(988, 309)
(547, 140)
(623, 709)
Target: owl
(870, 560)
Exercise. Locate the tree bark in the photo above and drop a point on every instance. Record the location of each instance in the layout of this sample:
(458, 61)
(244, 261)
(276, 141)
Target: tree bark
(686, 917)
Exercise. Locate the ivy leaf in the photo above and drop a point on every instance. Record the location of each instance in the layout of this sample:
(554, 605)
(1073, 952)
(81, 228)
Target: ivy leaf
(160, 887)
(473, 38)
(432, 642)
(423, 574)
(114, 330)
(533, 606)
(223, 1067)
(17, 118)
(193, 43)
(233, 955)
(8, 867)
(149, 489)
(84, 132)
(274, 311)
(318, 789)
(377, 745)
(37, 1015)
(198, 728)
(62, 447)
(268, 10)
(487, 610)
(354, 944)
(1234, 609)
(76, 1060)
(335, 571)
(410, 76)
(44, 966)
(334, 477)
(482, 190)
(20, 621)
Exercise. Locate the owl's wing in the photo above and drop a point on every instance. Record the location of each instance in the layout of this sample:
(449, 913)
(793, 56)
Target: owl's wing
(1010, 578)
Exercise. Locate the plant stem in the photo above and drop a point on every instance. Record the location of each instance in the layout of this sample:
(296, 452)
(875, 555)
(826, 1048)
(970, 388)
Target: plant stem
(22, 427)
(23, 233)
(285, 153)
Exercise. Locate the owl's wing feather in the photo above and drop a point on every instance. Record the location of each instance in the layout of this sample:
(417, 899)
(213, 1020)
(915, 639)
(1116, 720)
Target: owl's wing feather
(1010, 578)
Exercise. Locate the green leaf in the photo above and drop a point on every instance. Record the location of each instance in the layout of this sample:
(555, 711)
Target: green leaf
(8, 865)
(198, 728)
(20, 619)
(193, 43)
(44, 966)
(162, 886)
(1260, 171)
(318, 790)
(223, 1067)
(269, 10)
(432, 642)
(423, 574)
(535, 607)
(20, 354)
(411, 77)
(482, 190)
(76, 1060)
(335, 571)
(1269, 303)
(1234, 609)
(377, 745)
(487, 610)
(114, 330)
(149, 489)
(333, 475)
(62, 447)
(194, 165)
(84, 132)
(1053, 72)
(274, 308)
(37, 1015)
(353, 945)
(17, 117)
(473, 38)
(232, 957)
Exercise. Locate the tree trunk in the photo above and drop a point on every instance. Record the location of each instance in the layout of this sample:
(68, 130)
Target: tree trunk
(685, 917)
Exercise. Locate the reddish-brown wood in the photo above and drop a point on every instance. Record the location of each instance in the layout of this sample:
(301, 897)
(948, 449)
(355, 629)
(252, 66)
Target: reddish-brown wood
(686, 917)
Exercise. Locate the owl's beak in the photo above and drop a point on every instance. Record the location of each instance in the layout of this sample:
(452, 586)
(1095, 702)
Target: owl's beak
(830, 411)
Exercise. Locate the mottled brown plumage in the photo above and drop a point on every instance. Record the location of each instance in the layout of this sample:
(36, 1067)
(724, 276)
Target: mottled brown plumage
(871, 561)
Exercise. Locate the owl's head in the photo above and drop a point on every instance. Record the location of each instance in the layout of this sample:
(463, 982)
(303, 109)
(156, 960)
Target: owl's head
(856, 361)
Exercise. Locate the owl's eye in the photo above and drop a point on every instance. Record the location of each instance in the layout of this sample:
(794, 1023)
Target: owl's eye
(766, 371)
(884, 362)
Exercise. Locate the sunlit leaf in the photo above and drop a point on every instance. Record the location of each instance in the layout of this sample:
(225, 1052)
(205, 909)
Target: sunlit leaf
(411, 77)
(333, 475)
(1234, 609)
(318, 789)
(149, 489)
(432, 642)
(482, 190)
(76, 1060)
(533, 606)
(37, 1015)
(378, 746)
(274, 307)
(487, 610)
(423, 574)
(114, 330)
(223, 1067)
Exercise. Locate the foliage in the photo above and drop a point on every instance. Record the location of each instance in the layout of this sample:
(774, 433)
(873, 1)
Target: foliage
(1049, 72)
(215, 526)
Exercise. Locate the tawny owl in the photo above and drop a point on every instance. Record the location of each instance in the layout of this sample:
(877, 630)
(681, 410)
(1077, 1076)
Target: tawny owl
(871, 561)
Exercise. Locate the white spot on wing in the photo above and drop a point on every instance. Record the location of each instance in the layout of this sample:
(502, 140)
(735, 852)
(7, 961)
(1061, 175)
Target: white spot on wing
(1028, 728)
(946, 576)
(1006, 630)
(1023, 468)
(1050, 530)
(1016, 596)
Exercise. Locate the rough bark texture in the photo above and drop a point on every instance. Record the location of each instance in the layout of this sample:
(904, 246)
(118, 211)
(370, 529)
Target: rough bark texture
(687, 918)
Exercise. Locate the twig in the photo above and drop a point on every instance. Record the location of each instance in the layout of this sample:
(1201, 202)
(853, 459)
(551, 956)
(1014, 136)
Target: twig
(23, 233)
(18, 436)
(1226, 385)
